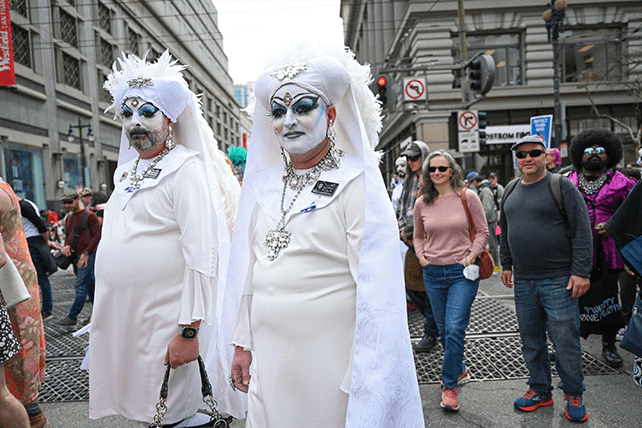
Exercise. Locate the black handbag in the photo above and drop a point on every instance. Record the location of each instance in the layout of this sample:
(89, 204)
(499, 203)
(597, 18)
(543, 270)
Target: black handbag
(63, 261)
(206, 389)
(632, 340)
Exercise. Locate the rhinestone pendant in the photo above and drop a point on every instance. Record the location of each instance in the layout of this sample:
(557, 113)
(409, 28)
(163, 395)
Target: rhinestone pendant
(276, 240)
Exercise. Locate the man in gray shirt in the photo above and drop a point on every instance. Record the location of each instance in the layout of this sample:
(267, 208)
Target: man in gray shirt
(551, 269)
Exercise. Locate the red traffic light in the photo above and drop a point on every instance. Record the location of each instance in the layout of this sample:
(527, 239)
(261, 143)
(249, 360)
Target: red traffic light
(381, 81)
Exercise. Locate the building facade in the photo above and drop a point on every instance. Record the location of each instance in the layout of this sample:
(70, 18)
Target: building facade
(54, 133)
(421, 38)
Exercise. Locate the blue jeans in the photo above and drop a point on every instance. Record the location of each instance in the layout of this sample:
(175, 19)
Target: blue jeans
(422, 303)
(546, 305)
(451, 296)
(43, 281)
(84, 277)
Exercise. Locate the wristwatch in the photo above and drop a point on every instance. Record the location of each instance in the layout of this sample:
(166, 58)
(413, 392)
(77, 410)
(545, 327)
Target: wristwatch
(188, 332)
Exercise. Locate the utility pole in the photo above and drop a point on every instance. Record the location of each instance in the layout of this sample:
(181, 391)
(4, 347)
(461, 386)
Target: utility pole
(463, 52)
(554, 18)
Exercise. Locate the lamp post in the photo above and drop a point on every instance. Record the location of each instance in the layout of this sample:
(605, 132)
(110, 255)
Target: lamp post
(90, 138)
(554, 18)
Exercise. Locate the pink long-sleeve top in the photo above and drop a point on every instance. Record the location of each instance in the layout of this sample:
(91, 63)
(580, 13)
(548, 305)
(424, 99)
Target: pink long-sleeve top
(441, 228)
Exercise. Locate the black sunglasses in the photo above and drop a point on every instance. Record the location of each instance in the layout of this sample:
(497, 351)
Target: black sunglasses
(440, 168)
(69, 202)
(413, 158)
(533, 153)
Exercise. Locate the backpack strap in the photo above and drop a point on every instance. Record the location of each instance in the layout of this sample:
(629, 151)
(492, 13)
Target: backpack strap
(508, 189)
(78, 230)
(556, 190)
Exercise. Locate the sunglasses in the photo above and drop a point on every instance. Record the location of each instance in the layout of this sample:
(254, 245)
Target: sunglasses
(413, 158)
(440, 168)
(69, 202)
(533, 153)
(590, 150)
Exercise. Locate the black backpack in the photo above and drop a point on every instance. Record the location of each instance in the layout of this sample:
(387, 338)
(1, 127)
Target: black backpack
(556, 190)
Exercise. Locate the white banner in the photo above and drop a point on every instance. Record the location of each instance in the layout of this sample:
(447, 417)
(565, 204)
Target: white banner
(506, 134)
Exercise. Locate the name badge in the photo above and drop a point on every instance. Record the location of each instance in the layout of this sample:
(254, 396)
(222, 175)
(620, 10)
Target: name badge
(154, 173)
(325, 188)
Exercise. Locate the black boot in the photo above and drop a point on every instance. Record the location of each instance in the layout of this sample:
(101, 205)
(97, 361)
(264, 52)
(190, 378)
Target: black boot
(426, 345)
(609, 352)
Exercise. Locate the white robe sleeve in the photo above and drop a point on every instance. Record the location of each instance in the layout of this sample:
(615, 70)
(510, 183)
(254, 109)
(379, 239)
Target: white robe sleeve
(354, 207)
(243, 330)
(199, 242)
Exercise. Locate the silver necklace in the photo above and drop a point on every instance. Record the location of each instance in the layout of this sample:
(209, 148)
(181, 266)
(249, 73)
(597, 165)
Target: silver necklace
(590, 187)
(136, 179)
(279, 238)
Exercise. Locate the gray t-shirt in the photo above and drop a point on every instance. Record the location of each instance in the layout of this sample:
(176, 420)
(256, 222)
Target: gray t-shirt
(534, 244)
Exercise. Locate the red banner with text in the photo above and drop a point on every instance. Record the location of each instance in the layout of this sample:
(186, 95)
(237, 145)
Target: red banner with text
(7, 73)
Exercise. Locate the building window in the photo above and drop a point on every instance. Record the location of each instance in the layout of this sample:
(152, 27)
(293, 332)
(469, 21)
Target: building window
(103, 93)
(106, 53)
(152, 54)
(218, 129)
(23, 171)
(19, 6)
(104, 17)
(21, 46)
(594, 54)
(71, 71)
(210, 104)
(68, 30)
(132, 41)
(504, 48)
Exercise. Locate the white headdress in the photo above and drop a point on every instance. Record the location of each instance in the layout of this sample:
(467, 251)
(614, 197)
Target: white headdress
(384, 383)
(162, 84)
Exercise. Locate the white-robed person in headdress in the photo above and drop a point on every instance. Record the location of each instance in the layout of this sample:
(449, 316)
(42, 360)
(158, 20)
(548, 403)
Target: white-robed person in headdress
(322, 321)
(162, 259)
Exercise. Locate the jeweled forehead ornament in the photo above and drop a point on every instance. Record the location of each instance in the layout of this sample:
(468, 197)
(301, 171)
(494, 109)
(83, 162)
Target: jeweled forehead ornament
(287, 99)
(139, 82)
(289, 69)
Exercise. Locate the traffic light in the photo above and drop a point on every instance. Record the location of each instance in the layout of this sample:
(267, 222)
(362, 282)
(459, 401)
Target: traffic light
(383, 88)
(481, 75)
(481, 125)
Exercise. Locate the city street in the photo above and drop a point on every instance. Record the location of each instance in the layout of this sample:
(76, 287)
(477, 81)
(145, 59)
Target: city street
(493, 356)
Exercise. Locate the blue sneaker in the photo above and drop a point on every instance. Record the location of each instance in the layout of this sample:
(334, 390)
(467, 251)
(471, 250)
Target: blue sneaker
(531, 401)
(575, 410)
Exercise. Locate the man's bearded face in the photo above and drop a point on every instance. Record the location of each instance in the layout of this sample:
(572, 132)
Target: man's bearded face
(594, 162)
(145, 125)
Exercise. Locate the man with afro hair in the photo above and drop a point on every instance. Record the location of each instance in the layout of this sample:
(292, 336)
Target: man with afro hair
(594, 154)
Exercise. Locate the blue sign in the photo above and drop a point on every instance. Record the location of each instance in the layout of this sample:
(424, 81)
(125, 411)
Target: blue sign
(542, 126)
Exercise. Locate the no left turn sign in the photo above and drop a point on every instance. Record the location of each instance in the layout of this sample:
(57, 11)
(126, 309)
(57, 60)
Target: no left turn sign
(467, 120)
(414, 89)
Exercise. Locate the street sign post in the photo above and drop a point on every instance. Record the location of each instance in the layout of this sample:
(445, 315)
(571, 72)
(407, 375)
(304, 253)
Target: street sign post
(468, 142)
(467, 120)
(414, 88)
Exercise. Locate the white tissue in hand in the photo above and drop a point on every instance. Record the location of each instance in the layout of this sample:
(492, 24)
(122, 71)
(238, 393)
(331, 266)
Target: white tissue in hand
(471, 272)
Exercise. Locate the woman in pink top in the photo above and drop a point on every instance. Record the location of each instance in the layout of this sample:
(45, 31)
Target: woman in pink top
(443, 245)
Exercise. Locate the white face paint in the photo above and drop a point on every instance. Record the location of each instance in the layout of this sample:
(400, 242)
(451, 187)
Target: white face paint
(145, 125)
(299, 119)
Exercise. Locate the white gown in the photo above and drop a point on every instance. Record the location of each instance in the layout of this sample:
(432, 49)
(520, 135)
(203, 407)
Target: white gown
(298, 313)
(155, 268)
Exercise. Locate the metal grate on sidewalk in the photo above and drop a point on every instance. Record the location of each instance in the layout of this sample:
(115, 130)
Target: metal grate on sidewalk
(497, 358)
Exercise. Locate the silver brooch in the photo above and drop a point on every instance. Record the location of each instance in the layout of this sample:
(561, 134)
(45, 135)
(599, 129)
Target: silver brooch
(139, 82)
(289, 69)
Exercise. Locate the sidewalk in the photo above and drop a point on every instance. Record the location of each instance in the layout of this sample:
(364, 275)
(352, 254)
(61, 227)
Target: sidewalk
(611, 398)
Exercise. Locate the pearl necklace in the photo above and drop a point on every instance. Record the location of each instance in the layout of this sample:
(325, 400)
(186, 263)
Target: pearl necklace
(279, 238)
(136, 179)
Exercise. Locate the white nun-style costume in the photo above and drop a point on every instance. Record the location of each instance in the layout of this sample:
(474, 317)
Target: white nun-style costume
(326, 320)
(162, 259)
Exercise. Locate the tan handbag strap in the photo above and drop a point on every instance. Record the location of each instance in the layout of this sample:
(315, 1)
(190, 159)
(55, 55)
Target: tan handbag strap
(471, 225)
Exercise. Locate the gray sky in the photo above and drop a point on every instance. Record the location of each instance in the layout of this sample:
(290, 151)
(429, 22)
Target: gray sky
(252, 29)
